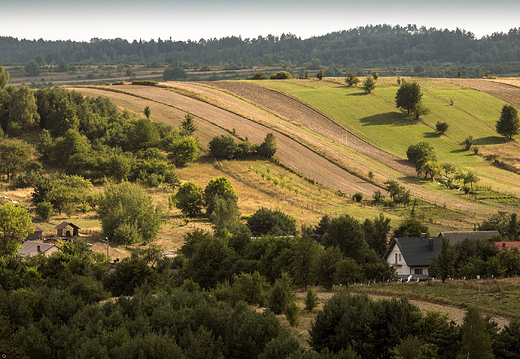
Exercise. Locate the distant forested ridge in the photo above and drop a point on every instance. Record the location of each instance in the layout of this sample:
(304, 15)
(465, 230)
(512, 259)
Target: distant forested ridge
(369, 46)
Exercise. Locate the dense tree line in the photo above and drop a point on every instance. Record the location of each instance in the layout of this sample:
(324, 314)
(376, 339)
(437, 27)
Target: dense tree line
(369, 46)
(54, 307)
(359, 327)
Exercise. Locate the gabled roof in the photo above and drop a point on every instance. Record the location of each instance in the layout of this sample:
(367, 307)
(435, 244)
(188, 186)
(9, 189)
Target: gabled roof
(456, 237)
(31, 248)
(62, 225)
(416, 251)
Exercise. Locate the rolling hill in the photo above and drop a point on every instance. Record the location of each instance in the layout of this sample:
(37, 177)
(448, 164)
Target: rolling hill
(336, 135)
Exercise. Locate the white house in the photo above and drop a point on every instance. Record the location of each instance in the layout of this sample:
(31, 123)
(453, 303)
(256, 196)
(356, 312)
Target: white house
(411, 257)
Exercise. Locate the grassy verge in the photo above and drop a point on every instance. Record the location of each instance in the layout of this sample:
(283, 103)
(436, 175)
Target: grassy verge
(491, 296)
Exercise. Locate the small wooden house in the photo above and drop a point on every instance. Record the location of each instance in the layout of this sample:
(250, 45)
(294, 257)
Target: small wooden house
(67, 229)
(36, 236)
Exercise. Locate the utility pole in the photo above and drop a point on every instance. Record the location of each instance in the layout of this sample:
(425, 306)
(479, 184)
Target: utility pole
(106, 241)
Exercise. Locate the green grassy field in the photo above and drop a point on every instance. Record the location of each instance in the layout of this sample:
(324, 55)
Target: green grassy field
(374, 118)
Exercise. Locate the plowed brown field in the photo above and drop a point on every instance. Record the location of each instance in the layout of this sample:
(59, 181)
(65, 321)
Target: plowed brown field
(307, 117)
(290, 151)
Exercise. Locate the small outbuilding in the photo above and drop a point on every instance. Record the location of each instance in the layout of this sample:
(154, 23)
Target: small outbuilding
(459, 236)
(64, 230)
(36, 236)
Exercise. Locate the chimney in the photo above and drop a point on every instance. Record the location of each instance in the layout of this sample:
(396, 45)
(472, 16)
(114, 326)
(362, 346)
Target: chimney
(431, 244)
(38, 249)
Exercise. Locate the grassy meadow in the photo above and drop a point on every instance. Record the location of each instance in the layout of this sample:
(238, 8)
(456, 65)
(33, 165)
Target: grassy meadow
(374, 118)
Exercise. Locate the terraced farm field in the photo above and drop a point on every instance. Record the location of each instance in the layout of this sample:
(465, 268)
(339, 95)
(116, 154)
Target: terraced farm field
(336, 135)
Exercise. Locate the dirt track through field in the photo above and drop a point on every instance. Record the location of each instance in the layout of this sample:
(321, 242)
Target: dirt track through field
(290, 152)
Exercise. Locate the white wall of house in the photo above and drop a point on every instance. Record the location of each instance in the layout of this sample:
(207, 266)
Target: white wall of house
(396, 260)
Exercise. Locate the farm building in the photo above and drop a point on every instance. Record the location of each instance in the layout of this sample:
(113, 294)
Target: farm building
(33, 248)
(64, 230)
(505, 245)
(411, 257)
(459, 236)
(37, 235)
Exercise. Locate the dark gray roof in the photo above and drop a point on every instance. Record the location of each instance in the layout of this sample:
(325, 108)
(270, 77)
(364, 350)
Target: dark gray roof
(31, 248)
(416, 251)
(456, 237)
(62, 225)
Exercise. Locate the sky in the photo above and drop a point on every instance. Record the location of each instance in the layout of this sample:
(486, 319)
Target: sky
(181, 20)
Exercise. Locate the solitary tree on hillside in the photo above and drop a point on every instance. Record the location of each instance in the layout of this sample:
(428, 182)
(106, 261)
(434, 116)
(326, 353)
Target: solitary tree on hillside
(369, 84)
(408, 96)
(508, 124)
(352, 79)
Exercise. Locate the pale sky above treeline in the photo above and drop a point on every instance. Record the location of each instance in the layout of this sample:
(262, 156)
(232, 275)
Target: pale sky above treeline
(195, 19)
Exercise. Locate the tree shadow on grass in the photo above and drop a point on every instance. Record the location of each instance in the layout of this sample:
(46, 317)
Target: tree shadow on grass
(490, 140)
(356, 94)
(388, 118)
(431, 135)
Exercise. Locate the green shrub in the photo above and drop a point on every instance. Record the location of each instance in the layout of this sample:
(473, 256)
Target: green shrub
(281, 295)
(69, 208)
(293, 314)
(311, 300)
(468, 142)
(259, 76)
(144, 82)
(44, 210)
(282, 75)
(127, 233)
(441, 127)
(357, 197)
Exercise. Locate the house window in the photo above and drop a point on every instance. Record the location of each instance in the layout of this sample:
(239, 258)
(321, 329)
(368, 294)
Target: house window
(399, 257)
(396, 258)
(418, 270)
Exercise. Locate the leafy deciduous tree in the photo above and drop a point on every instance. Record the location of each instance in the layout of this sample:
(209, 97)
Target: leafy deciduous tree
(189, 199)
(127, 205)
(15, 225)
(14, 156)
(408, 96)
(508, 125)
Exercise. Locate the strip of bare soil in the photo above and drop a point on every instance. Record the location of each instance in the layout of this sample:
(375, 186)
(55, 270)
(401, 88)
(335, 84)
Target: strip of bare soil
(290, 152)
(307, 117)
